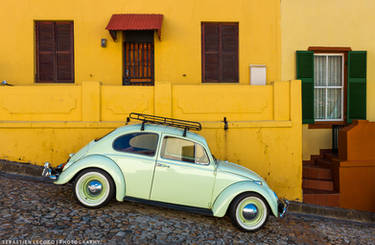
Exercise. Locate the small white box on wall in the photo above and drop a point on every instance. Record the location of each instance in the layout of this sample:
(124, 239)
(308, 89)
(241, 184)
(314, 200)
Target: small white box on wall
(258, 74)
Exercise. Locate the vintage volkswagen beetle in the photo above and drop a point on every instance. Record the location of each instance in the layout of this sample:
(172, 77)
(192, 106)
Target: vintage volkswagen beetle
(156, 162)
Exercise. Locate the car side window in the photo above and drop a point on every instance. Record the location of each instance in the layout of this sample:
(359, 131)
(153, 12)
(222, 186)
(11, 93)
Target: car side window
(137, 143)
(183, 150)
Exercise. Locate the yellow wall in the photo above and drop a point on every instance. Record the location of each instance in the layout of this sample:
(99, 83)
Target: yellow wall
(314, 140)
(178, 53)
(46, 122)
(334, 23)
(264, 122)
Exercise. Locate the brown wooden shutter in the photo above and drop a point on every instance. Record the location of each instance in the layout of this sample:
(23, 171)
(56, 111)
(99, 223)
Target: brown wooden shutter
(45, 40)
(219, 52)
(54, 51)
(64, 51)
(229, 52)
(211, 48)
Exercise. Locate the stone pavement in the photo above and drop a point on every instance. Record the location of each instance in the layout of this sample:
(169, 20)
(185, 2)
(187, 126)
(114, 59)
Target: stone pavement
(31, 210)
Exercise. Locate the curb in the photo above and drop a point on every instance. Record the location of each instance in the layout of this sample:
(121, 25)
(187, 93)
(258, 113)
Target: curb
(28, 171)
(20, 168)
(332, 212)
(26, 177)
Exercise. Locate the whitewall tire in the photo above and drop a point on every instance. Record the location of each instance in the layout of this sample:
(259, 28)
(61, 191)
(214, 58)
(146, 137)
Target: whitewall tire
(93, 188)
(249, 211)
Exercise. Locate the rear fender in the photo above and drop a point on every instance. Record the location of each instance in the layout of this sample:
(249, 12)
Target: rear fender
(96, 161)
(225, 198)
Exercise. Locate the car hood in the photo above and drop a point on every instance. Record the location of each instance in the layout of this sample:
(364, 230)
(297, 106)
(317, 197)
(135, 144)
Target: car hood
(236, 169)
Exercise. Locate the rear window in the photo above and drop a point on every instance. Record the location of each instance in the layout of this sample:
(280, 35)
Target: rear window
(137, 143)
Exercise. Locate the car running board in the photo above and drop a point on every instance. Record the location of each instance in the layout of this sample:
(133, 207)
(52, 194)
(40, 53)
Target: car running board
(196, 210)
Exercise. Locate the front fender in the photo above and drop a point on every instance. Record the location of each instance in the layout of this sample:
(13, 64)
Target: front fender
(224, 199)
(96, 161)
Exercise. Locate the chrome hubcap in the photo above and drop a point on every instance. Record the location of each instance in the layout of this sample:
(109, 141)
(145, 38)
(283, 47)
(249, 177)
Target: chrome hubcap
(94, 187)
(250, 211)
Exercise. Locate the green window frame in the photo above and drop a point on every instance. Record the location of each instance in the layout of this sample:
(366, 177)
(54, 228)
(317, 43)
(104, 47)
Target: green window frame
(356, 85)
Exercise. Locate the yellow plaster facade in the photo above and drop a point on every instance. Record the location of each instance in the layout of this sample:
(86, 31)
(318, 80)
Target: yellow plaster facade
(264, 136)
(334, 23)
(46, 122)
(177, 53)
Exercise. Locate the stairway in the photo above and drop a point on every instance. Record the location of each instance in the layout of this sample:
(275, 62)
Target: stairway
(320, 181)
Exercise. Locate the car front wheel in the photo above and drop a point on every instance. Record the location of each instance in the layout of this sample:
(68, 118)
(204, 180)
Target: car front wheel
(93, 188)
(249, 211)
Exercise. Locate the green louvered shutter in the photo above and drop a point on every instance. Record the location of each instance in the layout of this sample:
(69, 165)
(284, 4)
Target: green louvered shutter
(305, 73)
(356, 103)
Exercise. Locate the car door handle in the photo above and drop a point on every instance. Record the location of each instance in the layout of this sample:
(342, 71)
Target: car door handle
(162, 165)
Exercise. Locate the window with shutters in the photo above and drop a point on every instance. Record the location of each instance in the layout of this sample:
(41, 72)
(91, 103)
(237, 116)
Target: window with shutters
(219, 52)
(54, 52)
(333, 85)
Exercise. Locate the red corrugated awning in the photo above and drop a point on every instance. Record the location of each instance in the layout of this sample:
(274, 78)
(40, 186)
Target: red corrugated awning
(124, 22)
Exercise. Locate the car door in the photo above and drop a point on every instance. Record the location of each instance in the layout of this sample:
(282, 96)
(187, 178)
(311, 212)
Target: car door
(183, 174)
(135, 154)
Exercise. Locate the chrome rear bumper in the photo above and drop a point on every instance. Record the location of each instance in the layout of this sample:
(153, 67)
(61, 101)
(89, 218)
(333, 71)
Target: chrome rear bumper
(52, 173)
(282, 207)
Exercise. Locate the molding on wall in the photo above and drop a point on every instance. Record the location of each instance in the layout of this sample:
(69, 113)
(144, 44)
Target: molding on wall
(116, 124)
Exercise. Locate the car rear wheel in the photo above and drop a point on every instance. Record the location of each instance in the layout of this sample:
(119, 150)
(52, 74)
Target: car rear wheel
(93, 188)
(249, 211)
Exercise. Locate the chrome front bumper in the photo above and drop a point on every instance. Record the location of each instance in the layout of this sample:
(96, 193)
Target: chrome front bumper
(52, 173)
(282, 207)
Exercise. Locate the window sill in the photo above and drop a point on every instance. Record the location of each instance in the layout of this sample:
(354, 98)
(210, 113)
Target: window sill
(325, 124)
(54, 82)
(218, 82)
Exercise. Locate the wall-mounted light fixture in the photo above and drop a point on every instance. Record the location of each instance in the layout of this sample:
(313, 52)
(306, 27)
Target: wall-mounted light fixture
(103, 42)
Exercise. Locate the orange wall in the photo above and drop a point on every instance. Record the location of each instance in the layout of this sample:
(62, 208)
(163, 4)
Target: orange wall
(357, 141)
(357, 185)
(357, 166)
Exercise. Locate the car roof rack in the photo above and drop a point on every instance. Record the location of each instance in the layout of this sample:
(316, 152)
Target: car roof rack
(177, 123)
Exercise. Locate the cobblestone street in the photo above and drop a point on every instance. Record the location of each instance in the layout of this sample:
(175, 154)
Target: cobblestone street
(31, 210)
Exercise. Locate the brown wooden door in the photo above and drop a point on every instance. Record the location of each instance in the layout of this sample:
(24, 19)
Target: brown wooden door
(138, 63)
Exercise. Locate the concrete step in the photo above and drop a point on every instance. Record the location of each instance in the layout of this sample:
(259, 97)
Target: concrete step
(330, 156)
(314, 172)
(324, 163)
(315, 184)
(308, 162)
(313, 158)
(323, 151)
(323, 198)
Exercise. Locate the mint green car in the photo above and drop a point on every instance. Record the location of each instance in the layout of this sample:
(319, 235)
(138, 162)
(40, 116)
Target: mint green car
(167, 166)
